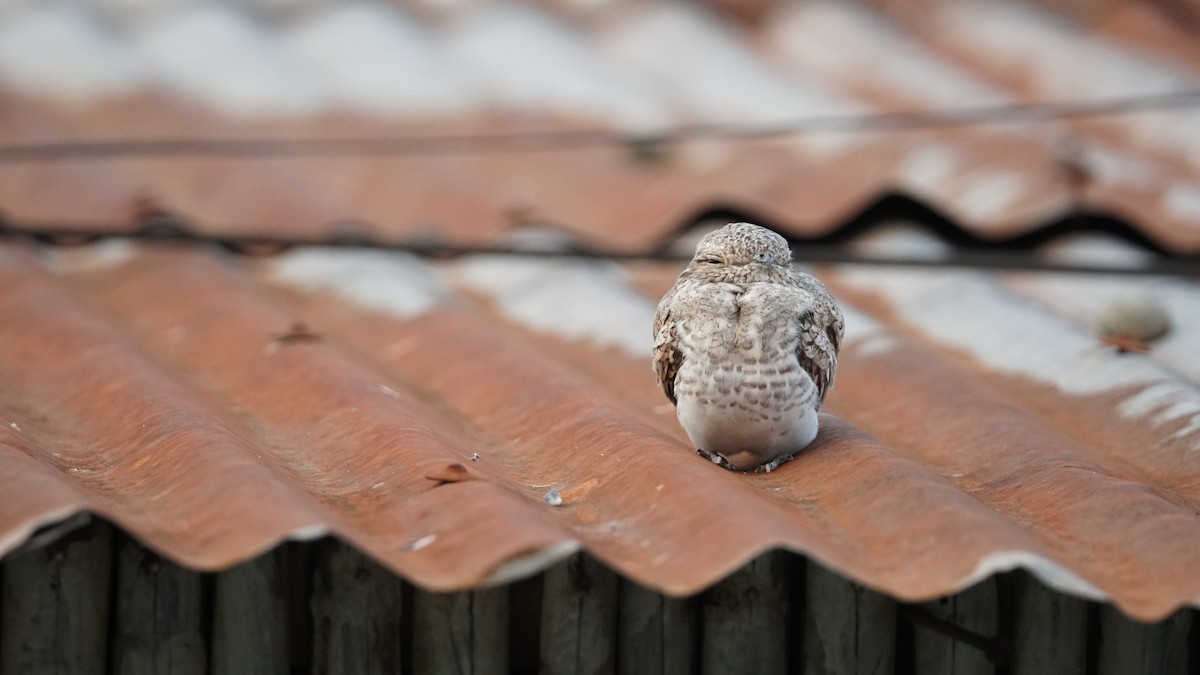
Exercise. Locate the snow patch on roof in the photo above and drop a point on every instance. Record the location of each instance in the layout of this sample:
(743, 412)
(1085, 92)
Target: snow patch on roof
(1049, 572)
(130, 13)
(1162, 404)
(10, 7)
(937, 173)
(985, 195)
(62, 51)
(972, 312)
(709, 73)
(531, 563)
(525, 59)
(103, 254)
(865, 334)
(1064, 64)
(842, 41)
(375, 58)
(397, 283)
(1096, 249)
(928, 168)
(1106, 164)
(1083, 298)
(901, 241)
(24, 532)
(309, 532)
(222, 58)
(575, 299)
(1182, 201)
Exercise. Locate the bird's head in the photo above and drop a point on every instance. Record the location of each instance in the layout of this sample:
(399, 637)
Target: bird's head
(740, 252)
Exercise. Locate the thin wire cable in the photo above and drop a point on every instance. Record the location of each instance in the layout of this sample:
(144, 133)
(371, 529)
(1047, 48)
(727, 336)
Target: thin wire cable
(532, 141)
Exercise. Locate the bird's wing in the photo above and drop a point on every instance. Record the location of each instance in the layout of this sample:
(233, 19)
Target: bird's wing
(667, 355)
(821, 327)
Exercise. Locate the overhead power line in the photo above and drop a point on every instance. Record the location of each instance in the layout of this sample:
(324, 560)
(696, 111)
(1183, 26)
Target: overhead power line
(532, 141)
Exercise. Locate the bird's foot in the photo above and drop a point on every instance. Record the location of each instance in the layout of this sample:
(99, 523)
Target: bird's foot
(715, 459)
(762, 468)
(774, 464)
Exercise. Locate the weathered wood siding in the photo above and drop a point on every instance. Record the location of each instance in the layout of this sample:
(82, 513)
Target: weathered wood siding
(357, 610)
(97, 602)
(56, 606)
(159, 628)
(847, 628)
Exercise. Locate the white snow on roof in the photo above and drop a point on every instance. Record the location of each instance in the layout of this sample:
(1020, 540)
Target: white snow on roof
(865, 334)
(530, 563)
(985, 194)
(9, 7)
(1162, 404)
(1065, 64)
(445, 7)
(62, 51)
(1096, 250)
(525, 59)
(103, 254)
(374, 58)
(130, 13)
(709, 73)
(901, 241)
(972, 312)
(1182, 201)
(226, 60)
(928, 168)
(282, 9)
(1050, 572)
(847, 42)
(575, 299)
(1107, 164)
(397, 283)
(982, 195)
(1082, 298)
(979, 193)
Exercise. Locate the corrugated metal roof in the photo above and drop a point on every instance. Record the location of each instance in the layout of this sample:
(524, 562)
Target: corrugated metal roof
(442, 86)
(469, 420)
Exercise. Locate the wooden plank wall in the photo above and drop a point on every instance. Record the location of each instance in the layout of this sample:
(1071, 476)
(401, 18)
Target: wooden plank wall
(96, 601)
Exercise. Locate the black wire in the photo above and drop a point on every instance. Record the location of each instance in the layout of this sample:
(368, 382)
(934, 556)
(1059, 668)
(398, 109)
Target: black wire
(818, 250)
(528, 141)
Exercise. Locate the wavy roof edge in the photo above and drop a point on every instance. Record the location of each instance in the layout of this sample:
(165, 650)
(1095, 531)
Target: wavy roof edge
(994, 184)
(49, 527)
(552, 237)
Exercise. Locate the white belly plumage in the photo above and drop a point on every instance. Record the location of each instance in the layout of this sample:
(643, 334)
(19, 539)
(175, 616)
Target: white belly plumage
(749, 413)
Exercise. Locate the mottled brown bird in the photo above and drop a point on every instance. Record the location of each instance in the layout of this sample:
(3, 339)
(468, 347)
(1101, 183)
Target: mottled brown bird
(745, 348)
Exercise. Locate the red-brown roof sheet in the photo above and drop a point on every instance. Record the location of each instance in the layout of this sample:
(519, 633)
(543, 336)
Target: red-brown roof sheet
(467, 421)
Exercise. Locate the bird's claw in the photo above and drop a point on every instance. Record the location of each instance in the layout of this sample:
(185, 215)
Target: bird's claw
(774, 464)
(768, 467)
(715, 459)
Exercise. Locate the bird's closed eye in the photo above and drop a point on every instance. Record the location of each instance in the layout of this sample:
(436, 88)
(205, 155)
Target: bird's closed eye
(713, 259)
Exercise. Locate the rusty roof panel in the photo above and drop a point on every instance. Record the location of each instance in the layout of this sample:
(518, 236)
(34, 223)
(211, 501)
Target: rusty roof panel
(93, 410)
(372, 396)
(469, 421)
(504, 69)
(37, 193)
(358, 446)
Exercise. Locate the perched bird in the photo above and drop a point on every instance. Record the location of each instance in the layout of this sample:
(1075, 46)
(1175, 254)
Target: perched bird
(746, 348)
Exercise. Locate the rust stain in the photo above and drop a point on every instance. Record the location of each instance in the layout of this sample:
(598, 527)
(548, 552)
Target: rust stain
(451, 473)
(1124, 343)
(298, 333)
